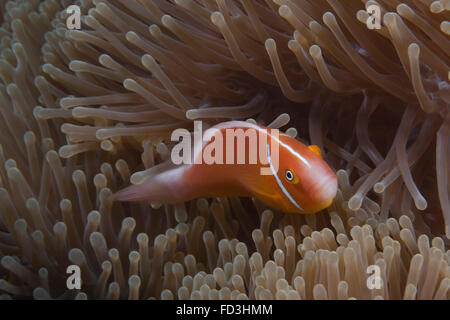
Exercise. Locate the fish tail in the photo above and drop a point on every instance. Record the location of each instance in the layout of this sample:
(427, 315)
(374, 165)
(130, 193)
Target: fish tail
(165, 187)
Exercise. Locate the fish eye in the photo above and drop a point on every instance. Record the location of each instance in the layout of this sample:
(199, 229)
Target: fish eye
(289, 175)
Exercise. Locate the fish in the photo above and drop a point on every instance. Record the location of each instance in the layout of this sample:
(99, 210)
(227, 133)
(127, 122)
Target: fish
(296, 178)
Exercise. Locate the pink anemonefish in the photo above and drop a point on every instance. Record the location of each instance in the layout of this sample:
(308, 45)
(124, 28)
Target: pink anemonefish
(303, 183)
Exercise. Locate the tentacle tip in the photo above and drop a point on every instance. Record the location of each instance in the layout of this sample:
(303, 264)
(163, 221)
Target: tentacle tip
(379, 187)
(270, 44)
(217, 17)
(413, 49)
(284, 10)
(328, 17)
(342, 173)
(355, 202)
(421, 203)
(315, 51)
(191, 114)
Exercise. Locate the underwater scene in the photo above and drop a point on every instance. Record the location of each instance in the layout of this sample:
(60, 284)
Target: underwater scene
(224, 149)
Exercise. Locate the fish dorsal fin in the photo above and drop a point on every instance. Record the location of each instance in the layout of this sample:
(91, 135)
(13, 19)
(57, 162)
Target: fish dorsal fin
(315, 149)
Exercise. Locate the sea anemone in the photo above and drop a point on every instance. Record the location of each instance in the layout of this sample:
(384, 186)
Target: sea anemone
(86, 112)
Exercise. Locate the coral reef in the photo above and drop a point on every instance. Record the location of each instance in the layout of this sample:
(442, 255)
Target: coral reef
(86, 112)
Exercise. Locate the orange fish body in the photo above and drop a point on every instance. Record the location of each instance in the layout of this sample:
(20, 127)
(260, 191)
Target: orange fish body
(278, 170)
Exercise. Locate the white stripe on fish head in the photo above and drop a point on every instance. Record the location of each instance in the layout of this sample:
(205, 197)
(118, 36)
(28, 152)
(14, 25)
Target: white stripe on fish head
(280, 184)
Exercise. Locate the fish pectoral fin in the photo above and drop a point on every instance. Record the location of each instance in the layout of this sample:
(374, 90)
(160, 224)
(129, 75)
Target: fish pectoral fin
(315, 149)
